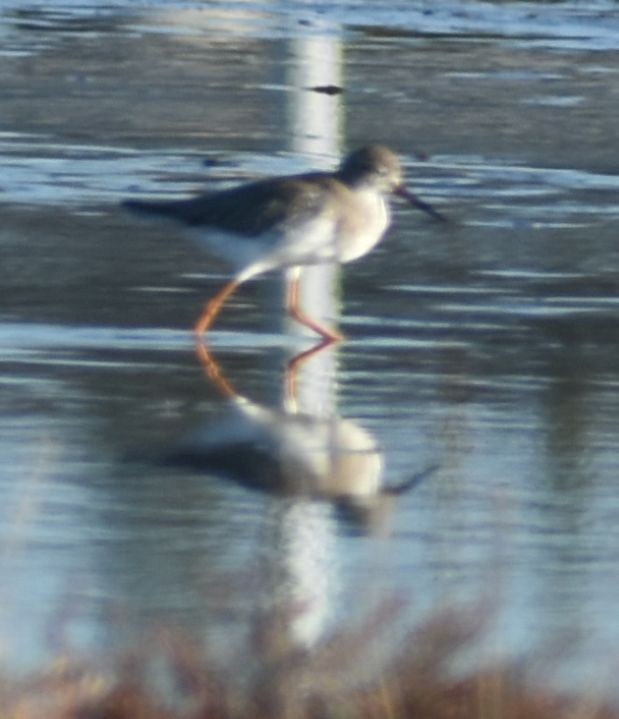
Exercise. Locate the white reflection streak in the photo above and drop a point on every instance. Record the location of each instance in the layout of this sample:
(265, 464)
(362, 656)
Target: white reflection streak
(307, 536)
(307, 527)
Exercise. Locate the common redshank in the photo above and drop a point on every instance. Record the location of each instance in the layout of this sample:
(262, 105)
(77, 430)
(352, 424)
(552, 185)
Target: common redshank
(287, 223)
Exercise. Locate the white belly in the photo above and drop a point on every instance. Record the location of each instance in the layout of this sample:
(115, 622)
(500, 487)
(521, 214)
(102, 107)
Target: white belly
(334, 236)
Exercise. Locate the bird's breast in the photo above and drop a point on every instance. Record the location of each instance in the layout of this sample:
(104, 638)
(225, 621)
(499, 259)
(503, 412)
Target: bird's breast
(363, 226)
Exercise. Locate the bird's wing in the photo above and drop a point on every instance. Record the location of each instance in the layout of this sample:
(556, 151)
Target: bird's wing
(262, 206)
(249, 210)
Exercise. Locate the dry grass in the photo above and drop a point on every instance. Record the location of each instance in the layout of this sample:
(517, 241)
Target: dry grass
(170, 677)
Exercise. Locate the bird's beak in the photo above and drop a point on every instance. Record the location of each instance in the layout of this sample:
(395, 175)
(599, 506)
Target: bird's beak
(402, 191)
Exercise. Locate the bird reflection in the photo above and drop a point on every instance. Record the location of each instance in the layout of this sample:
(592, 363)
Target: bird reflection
(289, 452)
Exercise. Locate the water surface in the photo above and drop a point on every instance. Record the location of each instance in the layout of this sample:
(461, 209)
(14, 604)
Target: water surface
(486, 348)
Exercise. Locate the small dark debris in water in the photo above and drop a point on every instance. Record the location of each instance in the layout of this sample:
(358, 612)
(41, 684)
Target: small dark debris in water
(327, 89)
(305, 23)
(214, 162)
(428, 12)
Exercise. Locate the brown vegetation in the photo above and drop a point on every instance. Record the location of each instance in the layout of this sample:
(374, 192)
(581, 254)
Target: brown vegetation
(170, 677)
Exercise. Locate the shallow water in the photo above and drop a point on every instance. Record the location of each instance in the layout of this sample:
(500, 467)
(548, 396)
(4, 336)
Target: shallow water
(486, 348)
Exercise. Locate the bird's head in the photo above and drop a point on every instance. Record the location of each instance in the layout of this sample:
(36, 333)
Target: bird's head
(376, 166)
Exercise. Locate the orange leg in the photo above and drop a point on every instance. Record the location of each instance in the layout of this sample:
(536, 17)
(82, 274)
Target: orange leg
(298, 361)
(213, 308)
(213, 371)
(294, 308)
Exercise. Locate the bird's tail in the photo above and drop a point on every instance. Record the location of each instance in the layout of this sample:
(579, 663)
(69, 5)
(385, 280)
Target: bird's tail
(150, 207)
